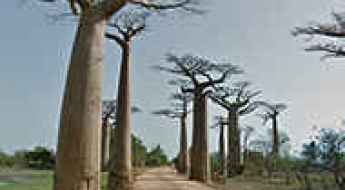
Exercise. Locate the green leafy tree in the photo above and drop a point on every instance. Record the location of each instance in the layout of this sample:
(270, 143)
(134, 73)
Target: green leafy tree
(40, 158)
(156, 157)
(139, 152)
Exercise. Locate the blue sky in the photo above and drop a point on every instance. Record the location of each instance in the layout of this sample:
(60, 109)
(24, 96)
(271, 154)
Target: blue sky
(253, 34)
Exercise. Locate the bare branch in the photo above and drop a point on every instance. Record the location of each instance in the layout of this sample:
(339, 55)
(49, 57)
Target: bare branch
(128, 24)
(333, 33)
(184, 65)
(242, 99)
(220, 101)
(335, 30)
(331, 50)
(225, 75)
(167, 113)
(158, 6)
(199, 71)
(251, 107)
(116, 38)
(272, 110)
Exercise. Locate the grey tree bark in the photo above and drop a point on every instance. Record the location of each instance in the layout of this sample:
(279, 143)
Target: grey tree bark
(200, 169)
(234, 147)
(222, 151)
(78, 150)
(275, 137)
(120, 175)
(183, 156)
(106, 133)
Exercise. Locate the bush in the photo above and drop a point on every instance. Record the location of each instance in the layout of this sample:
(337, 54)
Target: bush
(6, 160)
(38, 158)
(156, 157)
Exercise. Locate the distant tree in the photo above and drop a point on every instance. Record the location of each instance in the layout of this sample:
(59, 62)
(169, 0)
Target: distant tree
(332, 153)
(6, 160)
(221, 123)
(247, 132)
(139, 152)
(330, 36)
(156, 157)
(40, 158)
(326, 152)
(271, 113)
(238, 101)
(108, 113)
(109, 122)
(179, 110)
(202, 75)
(215, 163)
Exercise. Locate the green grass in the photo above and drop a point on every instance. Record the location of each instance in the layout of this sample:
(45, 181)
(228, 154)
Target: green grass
(29, 180)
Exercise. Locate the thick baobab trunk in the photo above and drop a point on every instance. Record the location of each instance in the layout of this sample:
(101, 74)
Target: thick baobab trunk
(199, 154)
(183, 156)
(222, 151)
(120, 175)
(79, 143)
(234, 146)
(106, 132)
(275, 137)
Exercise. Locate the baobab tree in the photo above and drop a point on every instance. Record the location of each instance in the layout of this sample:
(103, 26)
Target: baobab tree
(80, 118)
(221, 122)
(330, 36)
(271, 113)
(179, 111)
(202, 75)
(238, 102)
(128, 24)
(247, 132)
(108, 114)
(109, 123)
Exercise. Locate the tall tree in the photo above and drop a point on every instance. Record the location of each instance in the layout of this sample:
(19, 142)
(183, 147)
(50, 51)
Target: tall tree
(238, 102)
(330, 36)
(108, 114)
(80, 120)
(221, 122)
(247, 132)
(202, 75)
(109, 123)
(179, 111)
(128, 24)
(271, 113)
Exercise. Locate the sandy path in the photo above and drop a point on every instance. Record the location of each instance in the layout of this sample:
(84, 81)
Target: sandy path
(166, 179)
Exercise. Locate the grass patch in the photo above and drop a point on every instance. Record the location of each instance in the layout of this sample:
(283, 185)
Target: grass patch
(27, 180)
(34, 180)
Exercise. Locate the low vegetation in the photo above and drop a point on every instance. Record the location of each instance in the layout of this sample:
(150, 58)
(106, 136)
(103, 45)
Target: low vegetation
(33, 169)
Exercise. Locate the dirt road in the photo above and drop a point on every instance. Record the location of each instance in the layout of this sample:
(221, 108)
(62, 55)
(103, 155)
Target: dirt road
(166, 179)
